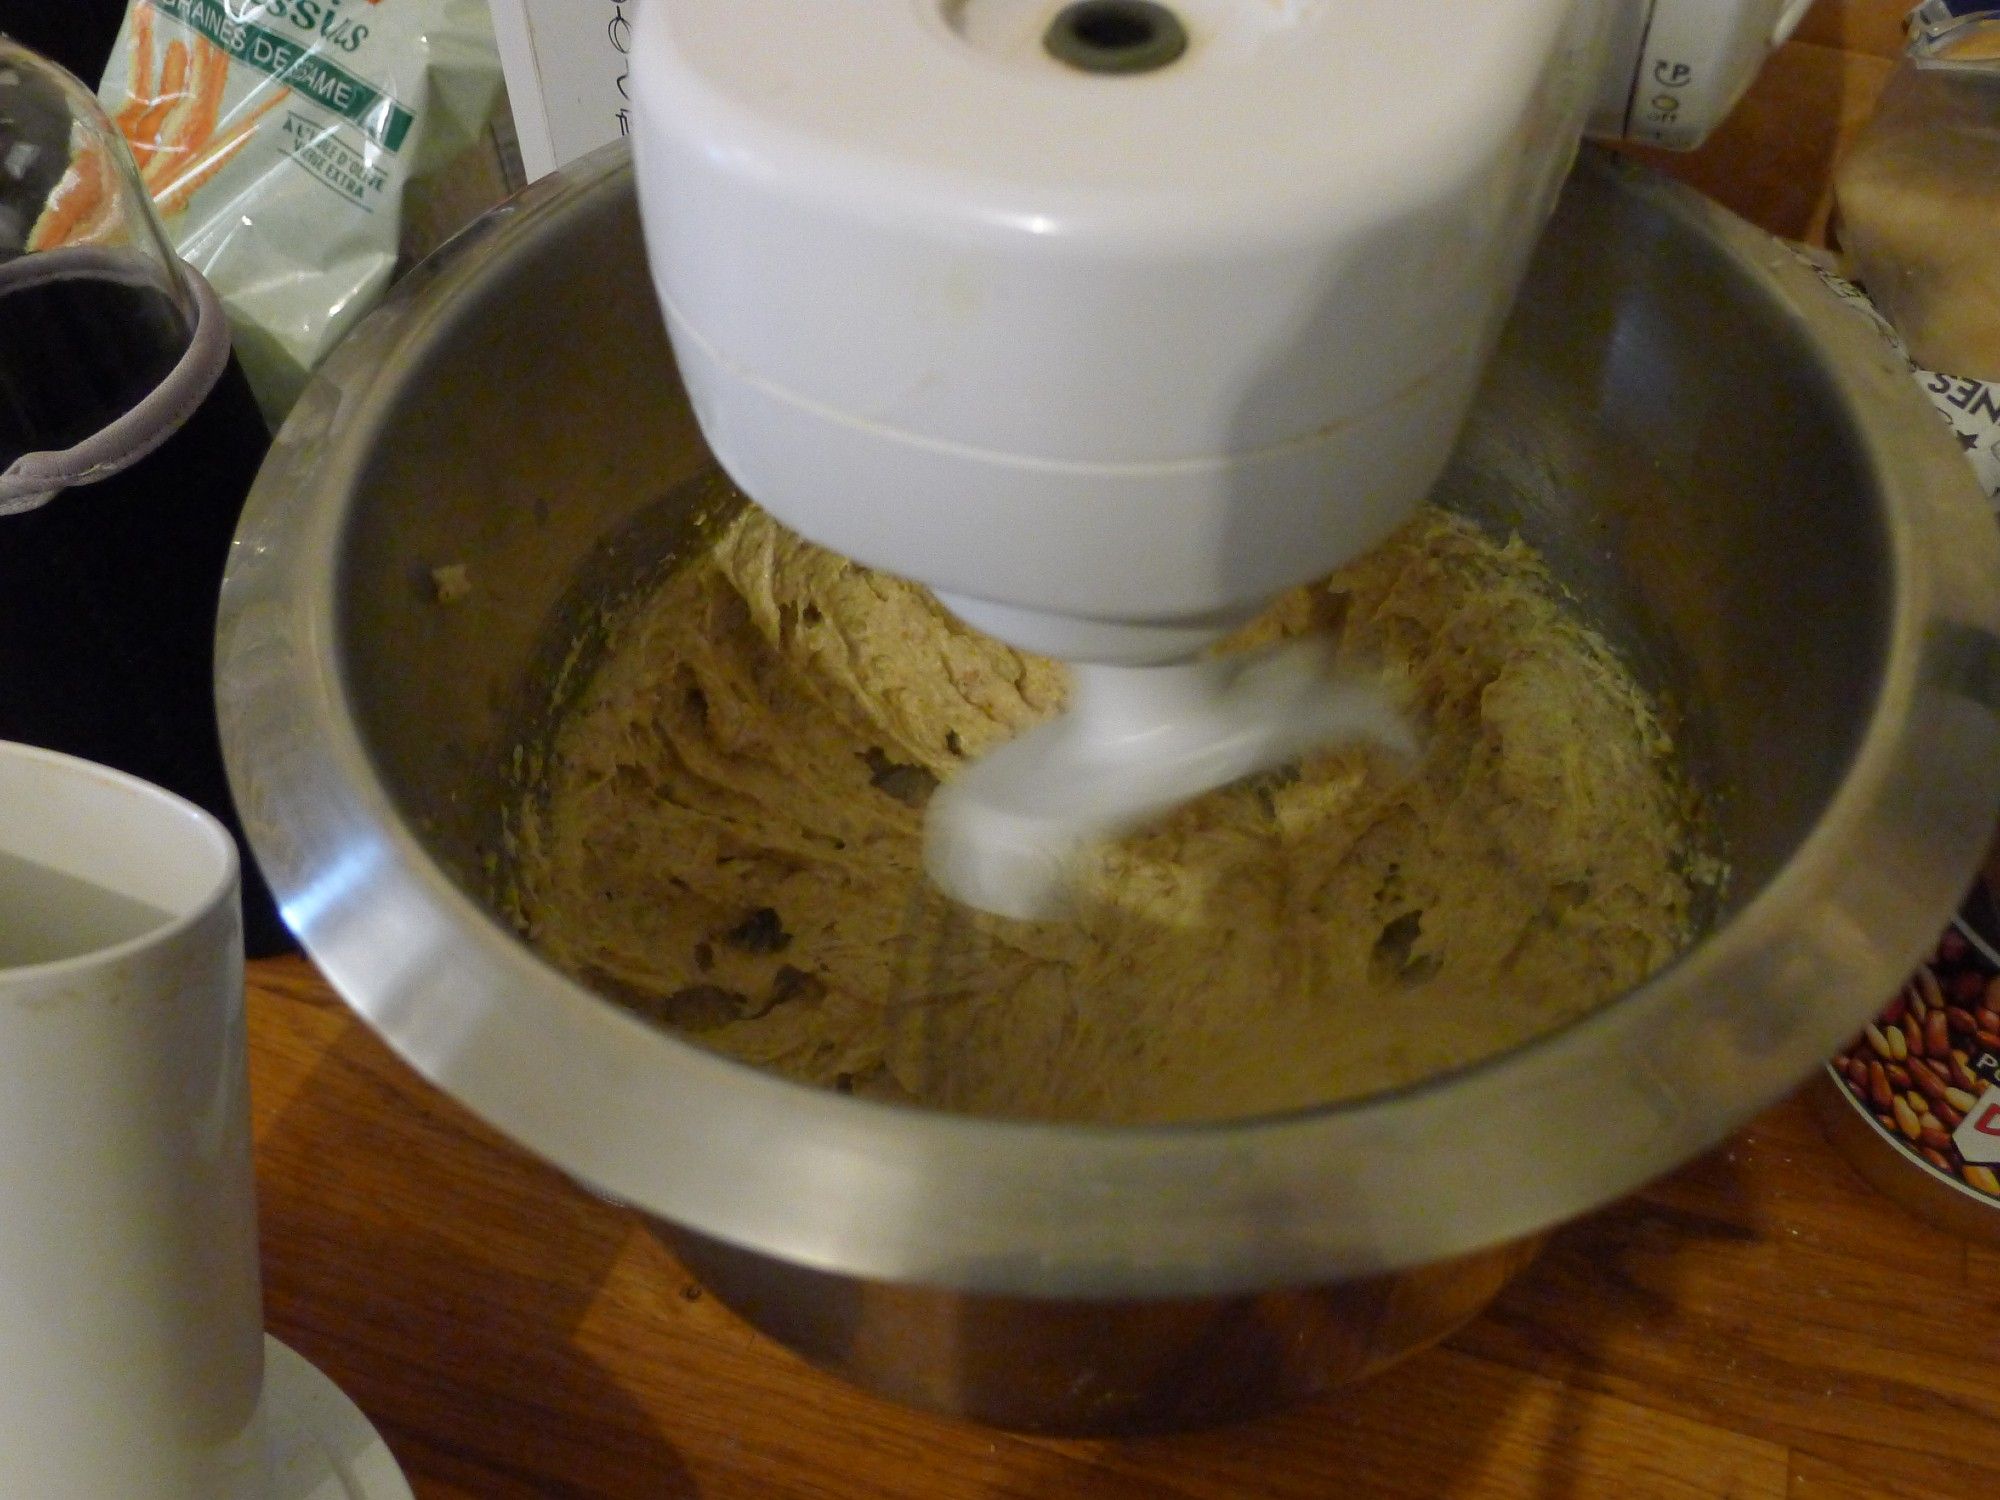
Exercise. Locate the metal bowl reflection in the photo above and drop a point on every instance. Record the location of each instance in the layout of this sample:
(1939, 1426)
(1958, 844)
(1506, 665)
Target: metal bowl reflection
(1739, 484)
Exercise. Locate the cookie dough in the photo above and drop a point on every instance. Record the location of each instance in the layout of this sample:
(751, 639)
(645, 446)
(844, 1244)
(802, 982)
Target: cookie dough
(727, 837)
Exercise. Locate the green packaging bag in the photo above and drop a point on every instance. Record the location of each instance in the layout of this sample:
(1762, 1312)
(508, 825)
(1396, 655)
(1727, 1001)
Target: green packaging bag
(285, 142)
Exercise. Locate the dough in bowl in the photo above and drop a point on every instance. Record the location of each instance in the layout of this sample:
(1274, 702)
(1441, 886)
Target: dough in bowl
(727, 836)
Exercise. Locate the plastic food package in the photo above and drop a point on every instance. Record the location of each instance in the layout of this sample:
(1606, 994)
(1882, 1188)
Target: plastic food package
(1969, 406)
(1914, 1101)
(1918, 195)
(286, 144)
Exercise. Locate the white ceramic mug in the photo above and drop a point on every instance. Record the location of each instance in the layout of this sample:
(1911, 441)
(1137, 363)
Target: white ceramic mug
(131, 1323)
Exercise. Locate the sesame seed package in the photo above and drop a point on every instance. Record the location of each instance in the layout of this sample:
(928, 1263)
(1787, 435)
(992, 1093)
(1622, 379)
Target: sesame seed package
(283, 142)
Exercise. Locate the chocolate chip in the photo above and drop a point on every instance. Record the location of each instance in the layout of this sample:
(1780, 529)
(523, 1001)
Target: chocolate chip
(698, 1008)
(910, 785)
(1395, 959)
(787, 985)
(791, 983)
(760, 932)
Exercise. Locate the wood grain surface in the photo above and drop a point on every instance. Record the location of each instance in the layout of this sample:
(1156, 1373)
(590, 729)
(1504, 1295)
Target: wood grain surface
(1772, 160)
(1760, 1324)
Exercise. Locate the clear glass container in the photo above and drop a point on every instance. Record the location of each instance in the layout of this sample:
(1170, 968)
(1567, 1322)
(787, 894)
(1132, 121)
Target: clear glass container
(98, 316)
(128, 440)
(1918, 195)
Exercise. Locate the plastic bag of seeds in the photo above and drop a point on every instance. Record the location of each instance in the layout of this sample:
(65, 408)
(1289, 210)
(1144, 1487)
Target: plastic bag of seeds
(291, 146)
(1914, 1101)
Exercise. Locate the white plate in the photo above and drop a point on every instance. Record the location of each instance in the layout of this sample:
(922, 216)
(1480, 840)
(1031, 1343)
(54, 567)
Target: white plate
(322, 1447)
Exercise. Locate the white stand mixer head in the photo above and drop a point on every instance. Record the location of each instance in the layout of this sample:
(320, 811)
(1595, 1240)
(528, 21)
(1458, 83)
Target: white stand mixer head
(1111, 320)
(1105, 358)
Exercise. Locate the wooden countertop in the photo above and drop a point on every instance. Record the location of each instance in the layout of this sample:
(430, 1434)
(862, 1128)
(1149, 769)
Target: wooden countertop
(1760, 1324)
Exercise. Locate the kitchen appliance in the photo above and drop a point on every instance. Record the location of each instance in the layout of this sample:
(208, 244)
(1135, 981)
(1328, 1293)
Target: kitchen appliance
(1735, 477)
(1111, 320)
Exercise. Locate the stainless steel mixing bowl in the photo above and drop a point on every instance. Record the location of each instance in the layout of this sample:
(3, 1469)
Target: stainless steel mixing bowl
(1733, 474)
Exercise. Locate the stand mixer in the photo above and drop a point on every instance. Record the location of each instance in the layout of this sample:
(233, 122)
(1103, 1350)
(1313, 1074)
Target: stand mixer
(1110, 321)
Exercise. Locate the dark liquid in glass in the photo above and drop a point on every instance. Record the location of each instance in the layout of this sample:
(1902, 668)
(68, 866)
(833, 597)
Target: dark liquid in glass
(108, 592)
(75, 354)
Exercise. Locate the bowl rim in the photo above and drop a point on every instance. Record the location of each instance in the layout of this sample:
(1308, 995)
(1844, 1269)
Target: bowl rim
(1493, 1152)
